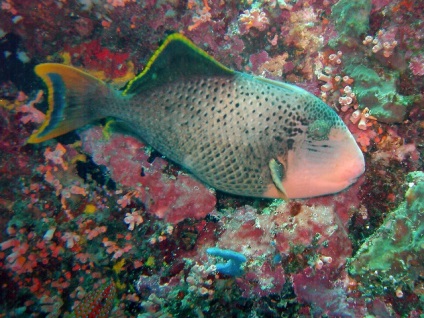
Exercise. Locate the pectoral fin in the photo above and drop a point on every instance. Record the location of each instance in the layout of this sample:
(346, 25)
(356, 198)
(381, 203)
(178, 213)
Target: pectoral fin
(277, 174)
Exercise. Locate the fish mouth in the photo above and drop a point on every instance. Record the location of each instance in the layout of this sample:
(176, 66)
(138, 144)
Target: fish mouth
(353, 163)
(359, 170)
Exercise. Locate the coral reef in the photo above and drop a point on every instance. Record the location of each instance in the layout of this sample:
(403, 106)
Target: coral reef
(97, 221)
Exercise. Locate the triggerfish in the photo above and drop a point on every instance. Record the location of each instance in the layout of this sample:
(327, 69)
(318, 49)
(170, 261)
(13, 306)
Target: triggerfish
(239, 133)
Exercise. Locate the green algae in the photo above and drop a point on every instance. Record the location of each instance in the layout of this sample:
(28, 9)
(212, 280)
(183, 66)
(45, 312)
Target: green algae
(379, 94)
(351, 19)
(393, 257)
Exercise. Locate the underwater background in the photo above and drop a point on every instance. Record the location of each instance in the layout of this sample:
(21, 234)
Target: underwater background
(97, 223)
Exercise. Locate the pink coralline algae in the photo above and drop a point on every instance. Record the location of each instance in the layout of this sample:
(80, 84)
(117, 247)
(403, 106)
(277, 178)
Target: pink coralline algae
(314, 236)
(258, 59)
(94, 56)
(305, 225)
(247, 233)
(393, 147)
(252, 235)
(262, 280)
(172, 198)
(417, 65)
(326, 295)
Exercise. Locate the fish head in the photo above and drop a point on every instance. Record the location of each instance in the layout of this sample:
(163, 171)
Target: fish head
(325, 160)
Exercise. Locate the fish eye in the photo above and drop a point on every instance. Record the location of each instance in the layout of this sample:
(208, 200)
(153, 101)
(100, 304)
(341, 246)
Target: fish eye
(319, 129)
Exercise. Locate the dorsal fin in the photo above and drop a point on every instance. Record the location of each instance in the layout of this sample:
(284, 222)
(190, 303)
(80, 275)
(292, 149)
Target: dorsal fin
(177, 57)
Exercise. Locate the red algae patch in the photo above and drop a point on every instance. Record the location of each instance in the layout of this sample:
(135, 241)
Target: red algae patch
(168, 196)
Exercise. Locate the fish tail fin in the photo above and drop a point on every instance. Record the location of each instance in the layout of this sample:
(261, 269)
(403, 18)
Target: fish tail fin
(75, 99)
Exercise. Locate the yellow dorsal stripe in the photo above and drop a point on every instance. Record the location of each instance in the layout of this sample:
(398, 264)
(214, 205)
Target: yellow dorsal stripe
(171, 38)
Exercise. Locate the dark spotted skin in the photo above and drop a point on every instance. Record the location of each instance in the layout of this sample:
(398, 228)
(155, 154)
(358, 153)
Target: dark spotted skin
(226, 129)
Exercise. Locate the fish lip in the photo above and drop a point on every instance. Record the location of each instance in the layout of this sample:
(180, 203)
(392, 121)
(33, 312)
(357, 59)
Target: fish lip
(361, 164)
(357, 170)
(354, 179)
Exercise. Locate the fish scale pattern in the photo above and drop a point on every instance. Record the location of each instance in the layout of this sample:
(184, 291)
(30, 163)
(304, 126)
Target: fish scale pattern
(223, 129)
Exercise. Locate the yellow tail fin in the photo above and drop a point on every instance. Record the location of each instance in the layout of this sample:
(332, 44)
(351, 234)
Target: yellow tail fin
(75, 99)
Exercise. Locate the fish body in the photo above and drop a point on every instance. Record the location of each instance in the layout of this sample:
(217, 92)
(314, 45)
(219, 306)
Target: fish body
(238, 133)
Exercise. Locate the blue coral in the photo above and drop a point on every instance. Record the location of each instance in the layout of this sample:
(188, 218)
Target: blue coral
(234, 261)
